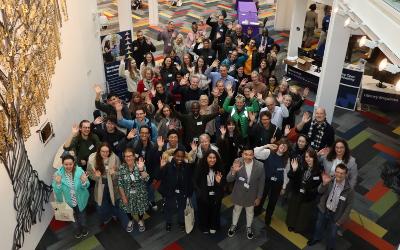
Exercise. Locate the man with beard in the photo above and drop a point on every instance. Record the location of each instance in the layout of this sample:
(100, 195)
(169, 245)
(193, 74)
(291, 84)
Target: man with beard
(141, 46)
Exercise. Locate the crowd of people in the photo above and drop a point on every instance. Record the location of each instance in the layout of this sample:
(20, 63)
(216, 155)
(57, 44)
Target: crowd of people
(212, 120)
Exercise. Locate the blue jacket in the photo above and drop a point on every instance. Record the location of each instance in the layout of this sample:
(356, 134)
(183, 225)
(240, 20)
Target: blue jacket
(81, 192)
(130, 124)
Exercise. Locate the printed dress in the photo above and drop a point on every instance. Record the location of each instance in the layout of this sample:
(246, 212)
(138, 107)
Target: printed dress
(134, 187)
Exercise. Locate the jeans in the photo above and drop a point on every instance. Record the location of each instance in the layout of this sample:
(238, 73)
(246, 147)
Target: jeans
(326, 219)
(272, 189)
(176, 202)
(106, 209)
(80, 219)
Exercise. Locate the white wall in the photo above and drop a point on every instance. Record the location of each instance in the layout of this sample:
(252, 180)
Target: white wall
(71, 99)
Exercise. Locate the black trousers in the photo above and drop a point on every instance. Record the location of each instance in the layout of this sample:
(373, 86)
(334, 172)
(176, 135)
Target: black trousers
(272, 189)
(208, 212)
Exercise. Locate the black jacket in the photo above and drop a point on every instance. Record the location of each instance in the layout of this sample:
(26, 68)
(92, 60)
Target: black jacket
(260, 136)
(308, 188)
(140, 49)
(169, 179)
(216, 28)
(208, 54)
(201, 187)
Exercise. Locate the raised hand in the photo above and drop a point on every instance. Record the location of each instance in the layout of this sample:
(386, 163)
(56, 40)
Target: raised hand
(98, 120)
(306, 117)
(84, 177)
(243, 82)
(75, 130)
(163, 162)
(279, 98)
(140, 164)
(160, 142)
(131, 134)
(236, 166)
(148, 99)
(252, 94)
(260, 97)
(215, 63)
(160, 105)
(252, 116)
(287, 130)
(153, 91)
(223, 130)
(57, 179)
(325, 179)
(218, 177)
(306, 91)
(295, 164)
(323, 151)
(97, 173)
(118, 106)
(97, 89)
(215, 92)
(271, 146)
(193, 145)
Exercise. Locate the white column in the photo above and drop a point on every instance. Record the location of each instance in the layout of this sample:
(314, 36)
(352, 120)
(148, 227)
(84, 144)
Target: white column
(297, 26)
(125, 15)
(283, 15)
(153, 12)
(332, 66)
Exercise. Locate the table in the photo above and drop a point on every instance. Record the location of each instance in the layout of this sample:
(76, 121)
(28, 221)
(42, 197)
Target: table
(386, 98)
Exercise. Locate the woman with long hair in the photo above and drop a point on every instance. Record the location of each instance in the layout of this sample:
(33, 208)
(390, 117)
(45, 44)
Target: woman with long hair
(199, 68)
(275, 157)
(272, 84)
(263, 71)
(131, 74)
(305, 177)
(70, 183)
(168, 71)
(132, 178)
(102, 168)
(148, 82)
(179, 46)
(340, 153)
(208, 183)
(148, 62)
(166, 120)
(187, 64)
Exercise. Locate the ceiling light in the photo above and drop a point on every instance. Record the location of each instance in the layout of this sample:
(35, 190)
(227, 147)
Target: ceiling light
(385, 65)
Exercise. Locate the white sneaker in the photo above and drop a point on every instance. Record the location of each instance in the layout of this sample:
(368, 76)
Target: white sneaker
(142, 228)
(129, 227)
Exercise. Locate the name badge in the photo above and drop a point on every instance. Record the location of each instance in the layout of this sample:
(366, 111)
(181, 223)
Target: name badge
(221, 30)
(342, 198)
(246, 185)
(280, 169)
(316, 178)
(170, 75)
(178, 102)
(133, 191)
(115, 143)
(273, 178)
(211, 193)
(167, 124)
(241, 179)
(177, 191)
(91, 147)
(169, 44)
(230, 51)
(210, 57)
(106, 166)
(302, 191)
(132, 177)
(199, 123)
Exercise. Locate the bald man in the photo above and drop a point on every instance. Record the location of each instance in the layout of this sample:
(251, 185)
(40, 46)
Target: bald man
(320, 132)
(277, 112)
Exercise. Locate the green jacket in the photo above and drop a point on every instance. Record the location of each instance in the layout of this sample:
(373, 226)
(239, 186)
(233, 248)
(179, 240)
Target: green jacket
(241, 118)
(81, 192)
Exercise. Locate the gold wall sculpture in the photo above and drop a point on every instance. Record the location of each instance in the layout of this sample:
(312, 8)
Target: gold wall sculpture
(29, 49)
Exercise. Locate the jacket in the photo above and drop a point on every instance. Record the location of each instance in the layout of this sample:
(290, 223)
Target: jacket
(169, 180)
(215, 28)
(81, 192)
(113, 162)
(345, 201)
(241, 195)
(129, 124)
(351, 166)
(307, 189)
(201, 187)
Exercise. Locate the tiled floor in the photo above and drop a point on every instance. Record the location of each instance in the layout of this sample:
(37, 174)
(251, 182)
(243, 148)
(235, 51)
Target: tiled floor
(373, 138)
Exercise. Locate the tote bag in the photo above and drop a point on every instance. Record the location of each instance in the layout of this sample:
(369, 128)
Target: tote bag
(189, 216)
(62, 211)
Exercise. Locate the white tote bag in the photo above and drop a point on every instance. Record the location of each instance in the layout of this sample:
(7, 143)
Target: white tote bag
(189, 216)
(62, 211)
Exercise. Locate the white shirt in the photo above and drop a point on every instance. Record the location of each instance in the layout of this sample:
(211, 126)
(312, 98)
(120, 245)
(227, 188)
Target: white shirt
(248, 168)
(279, 113)
(210, 178)
(334, 164)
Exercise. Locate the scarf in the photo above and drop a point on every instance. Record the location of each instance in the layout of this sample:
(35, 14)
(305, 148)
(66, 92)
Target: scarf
(319, 130)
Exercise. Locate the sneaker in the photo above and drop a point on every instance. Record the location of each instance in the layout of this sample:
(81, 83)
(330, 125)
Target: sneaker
(168, 227)
(142, 228)
(78, 235)
(154, 206)
(129, 227)
(212, 231)
(84, 232)
(232, 231)
(250, 234)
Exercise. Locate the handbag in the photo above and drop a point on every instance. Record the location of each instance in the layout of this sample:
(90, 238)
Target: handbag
(189, 216)
(62, 211)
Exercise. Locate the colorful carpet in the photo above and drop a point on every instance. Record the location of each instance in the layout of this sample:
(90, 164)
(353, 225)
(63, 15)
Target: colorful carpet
(373, 138)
